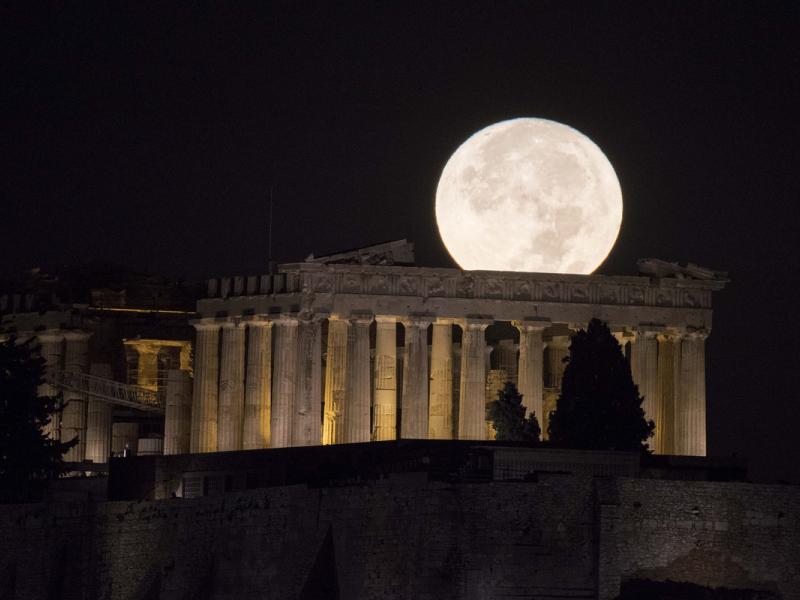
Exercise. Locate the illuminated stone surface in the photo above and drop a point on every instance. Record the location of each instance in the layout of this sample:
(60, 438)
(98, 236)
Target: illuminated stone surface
(414, 417)
(258, 387)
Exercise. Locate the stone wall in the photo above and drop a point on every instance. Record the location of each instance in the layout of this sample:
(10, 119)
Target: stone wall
(735, 535)
(407, 537)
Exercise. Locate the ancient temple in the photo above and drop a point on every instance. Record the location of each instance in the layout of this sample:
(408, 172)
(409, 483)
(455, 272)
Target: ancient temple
(357, 346)
(362, 348)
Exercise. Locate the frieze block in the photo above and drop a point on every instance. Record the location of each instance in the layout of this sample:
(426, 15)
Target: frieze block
(579, 292)
(522, 290)
(551, 292)
(665, 298)
(436, 287)
(465, 287)
(494, 288)
(322, 283)
(380, 284)
(407, 286)
(351, 283)
(635, 295)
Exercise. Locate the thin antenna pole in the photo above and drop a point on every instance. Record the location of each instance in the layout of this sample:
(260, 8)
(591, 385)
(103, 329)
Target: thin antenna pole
(269, 237)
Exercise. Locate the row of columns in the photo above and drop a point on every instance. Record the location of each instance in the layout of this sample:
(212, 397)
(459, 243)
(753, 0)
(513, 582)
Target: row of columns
(84, 418)
(275, 401)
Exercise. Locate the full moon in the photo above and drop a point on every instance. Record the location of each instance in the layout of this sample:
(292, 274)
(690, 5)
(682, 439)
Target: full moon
(529, 195)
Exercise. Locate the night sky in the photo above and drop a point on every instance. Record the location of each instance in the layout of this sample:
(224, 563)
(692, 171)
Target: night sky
(150, 135)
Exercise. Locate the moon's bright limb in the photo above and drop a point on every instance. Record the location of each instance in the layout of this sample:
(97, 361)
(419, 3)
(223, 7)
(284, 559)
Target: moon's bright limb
(529, 195)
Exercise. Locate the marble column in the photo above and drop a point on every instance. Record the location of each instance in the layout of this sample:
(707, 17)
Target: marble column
(283, 381)
(472, 403)
(644, 369)
(357, 396)
(306, 412)
(690, 405)
(385, 427)
(556, 350)
(206, 388)
(178, 413)
(51, 344)
(669, 361)
(414, 416)
(73, 417)
(335, 381)
(504, 358)
(99, 416)
(231, 388)
(530, 377)
(258, 386)
(440, 412)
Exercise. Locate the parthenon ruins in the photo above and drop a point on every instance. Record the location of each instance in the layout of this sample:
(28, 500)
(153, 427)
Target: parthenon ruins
(342, 353)
(355, 347)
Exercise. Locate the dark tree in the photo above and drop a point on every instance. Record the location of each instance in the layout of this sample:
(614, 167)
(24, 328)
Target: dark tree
(28, 457)
(599, 406)
(507, 414)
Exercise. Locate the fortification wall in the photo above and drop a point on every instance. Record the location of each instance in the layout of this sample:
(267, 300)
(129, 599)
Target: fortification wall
(405, 537)
(734, 535)
(397, 538)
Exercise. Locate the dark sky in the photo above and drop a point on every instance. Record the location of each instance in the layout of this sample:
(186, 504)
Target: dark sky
(150, 135)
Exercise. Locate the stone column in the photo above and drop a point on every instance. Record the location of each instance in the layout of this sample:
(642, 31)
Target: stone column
(472, 403)
(690, 406)
(504, 357)
(357, 402)
(440, 413)
(644, 369)
(231, 388)
(51, 344)
(335, 381)
(258, 386)
(283, 381)
(178, 414)
(414, 416)
(205, 394)
(99, 416)
(306, 412)
(531, 366)
(669, 360)
(385, 427)
(556, 350)
(73, 418)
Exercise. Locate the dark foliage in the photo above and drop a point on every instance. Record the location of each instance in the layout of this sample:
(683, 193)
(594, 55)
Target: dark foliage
(507, 414)
(599, 406)
(28, 457)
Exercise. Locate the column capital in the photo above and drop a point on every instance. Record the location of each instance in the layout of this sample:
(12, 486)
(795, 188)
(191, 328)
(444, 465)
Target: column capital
(531, 325)
(670, 334)
(50, 335)
(386, 319)
(287, 319)
(259, 321)
(648, 330)
(232, 323)
(474, 323)
(421, 321)
(361, 319)
(205, 324)
(311, 317)
(695, 333)
(77, 335)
